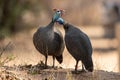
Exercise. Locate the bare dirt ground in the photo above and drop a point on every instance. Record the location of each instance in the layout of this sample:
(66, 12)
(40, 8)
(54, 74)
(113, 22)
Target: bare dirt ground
(105, 57)
(34, 73)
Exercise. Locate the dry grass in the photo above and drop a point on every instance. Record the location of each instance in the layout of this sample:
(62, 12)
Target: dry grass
(22, 52)
(56, 74)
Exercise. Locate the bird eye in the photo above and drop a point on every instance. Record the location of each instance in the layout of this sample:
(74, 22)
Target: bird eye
(58, 11)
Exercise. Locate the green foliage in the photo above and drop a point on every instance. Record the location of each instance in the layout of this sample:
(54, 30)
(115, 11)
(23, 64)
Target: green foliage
(10, 13)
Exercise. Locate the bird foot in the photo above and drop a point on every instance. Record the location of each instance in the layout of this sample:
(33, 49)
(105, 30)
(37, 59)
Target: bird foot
(83, 70)
(78, 72)
(45, 67)
(75, 72)
(53, 66)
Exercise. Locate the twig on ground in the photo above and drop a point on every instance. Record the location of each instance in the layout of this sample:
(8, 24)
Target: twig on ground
(4, 49)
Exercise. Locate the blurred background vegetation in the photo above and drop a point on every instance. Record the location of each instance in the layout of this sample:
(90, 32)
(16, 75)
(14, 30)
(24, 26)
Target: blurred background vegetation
(17, 15)
(13, 15)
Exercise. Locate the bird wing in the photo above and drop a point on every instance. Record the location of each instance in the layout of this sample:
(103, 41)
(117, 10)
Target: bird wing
(78, 44)
(59, 42)
(72, 45)
(86, 43)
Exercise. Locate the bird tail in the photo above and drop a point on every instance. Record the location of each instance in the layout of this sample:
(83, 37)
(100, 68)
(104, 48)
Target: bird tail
(59, 58)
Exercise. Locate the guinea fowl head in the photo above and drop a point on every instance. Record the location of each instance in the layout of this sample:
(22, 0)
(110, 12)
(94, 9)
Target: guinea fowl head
(88, 63)
(60, 21)
(58, 13)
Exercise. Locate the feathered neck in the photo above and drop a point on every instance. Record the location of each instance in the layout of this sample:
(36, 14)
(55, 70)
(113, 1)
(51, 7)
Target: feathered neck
(66, 25)
(51, 24)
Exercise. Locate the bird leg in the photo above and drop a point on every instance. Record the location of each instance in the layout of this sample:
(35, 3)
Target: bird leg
(83, 69)
(53, 61)
(76, 66)
(46, 61)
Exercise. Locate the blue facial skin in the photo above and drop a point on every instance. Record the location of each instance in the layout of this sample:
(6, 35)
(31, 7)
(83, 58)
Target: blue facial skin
(60, 21)
(56, 15)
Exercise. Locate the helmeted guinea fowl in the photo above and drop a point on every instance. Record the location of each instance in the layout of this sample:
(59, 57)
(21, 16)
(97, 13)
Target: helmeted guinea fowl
(50, 42)
(78, 45)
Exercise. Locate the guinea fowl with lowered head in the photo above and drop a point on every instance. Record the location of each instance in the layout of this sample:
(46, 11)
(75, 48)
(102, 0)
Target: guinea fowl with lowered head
(78, 44)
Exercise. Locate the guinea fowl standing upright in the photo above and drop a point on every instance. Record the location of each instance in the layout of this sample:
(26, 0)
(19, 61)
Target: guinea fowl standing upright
(49, 42)
(78, 44)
